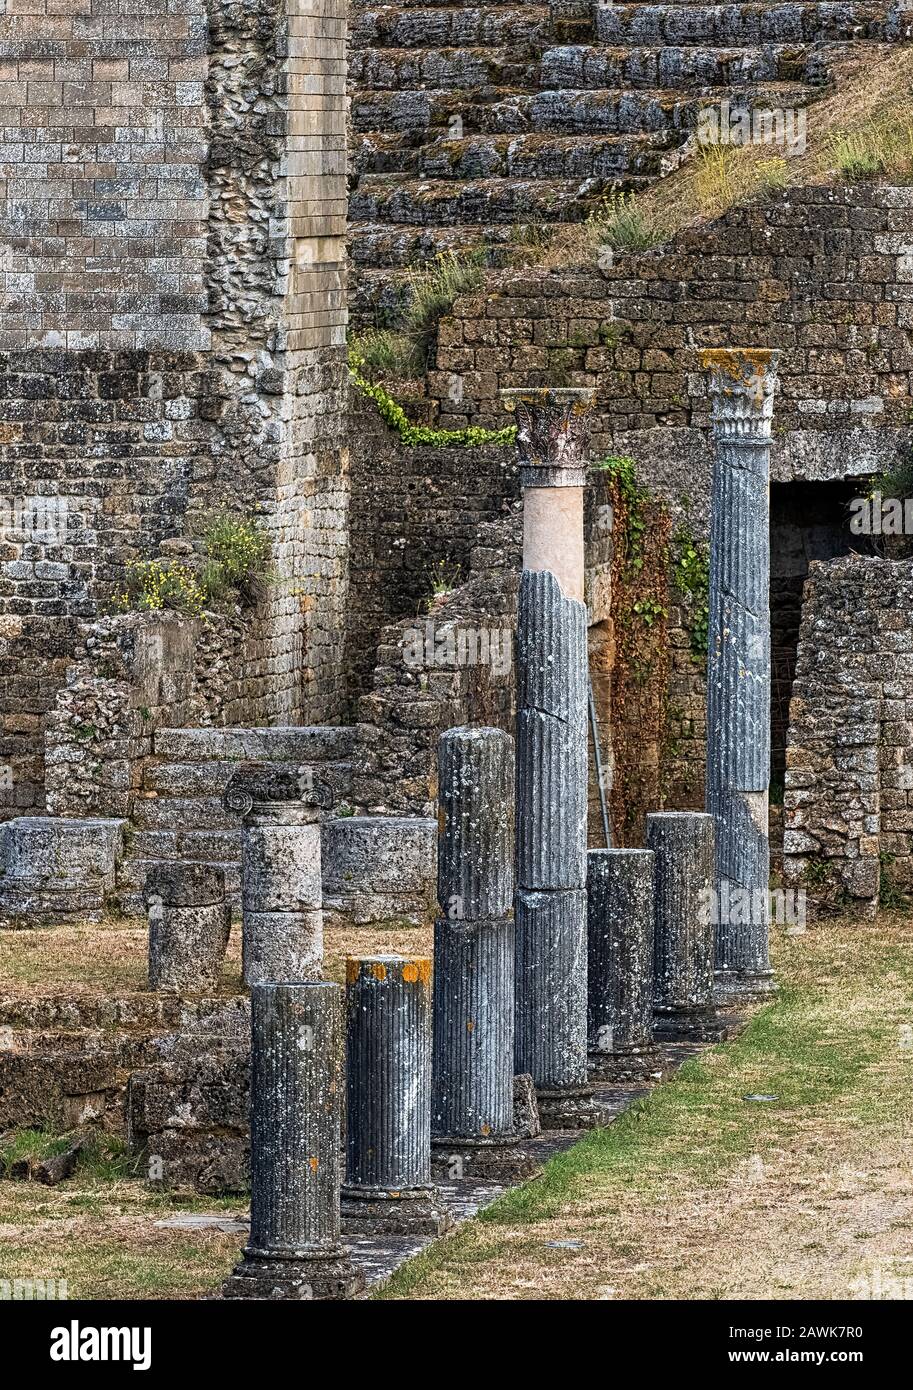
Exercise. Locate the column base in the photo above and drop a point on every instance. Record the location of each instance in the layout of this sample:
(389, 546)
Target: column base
(689, 1025)
(393, 1213)
(741, 986)
(636, 1064)
(499, 1160)
(331, 1276)
(572, 1107)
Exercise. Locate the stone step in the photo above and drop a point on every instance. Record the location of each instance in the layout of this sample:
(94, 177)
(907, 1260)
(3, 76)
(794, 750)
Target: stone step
(182, 813)
(615, 110)
(532, 156)
(488, 69)
(582, 66)
(383, 244)
(282, 743)
(441, 202)
(738, 24)
(610, 111)
(388, 26)
(211, 778)
(131, 880)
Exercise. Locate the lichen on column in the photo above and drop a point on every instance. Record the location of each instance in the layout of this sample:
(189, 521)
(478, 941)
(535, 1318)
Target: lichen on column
(742, 384)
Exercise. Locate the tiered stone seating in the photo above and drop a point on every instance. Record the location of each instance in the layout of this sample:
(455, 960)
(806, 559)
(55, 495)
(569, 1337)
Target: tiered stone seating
(469, 121)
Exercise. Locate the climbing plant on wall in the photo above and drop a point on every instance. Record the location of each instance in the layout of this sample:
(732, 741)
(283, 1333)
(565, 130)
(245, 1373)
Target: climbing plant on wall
(640, 597)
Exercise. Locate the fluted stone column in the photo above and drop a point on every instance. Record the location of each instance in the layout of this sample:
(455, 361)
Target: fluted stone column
(388, 1184)
(295, 1250)
(189, 926)
(282, 934)
(682, 845)
(742, 383)
(553, 679)
(472, 1118)
(620, 963)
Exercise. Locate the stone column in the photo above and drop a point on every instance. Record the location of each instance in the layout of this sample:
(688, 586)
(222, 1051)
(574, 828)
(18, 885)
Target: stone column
(282, 932)
(472, 1117)
(620, 964)
(553, 678)
(742, 383)
(682, 845)
(388, 1098)
(295, 1251)
(189, 926)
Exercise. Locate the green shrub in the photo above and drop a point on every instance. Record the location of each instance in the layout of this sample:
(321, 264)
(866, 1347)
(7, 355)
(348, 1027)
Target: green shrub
(620, 222)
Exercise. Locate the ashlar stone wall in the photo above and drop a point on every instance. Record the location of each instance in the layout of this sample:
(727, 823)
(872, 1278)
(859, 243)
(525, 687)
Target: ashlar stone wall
(848, 806)
(171, 329)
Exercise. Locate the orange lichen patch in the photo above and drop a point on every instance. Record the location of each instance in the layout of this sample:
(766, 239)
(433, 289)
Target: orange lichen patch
(314, 1163)
(353, 965)
(742, 364)
(470, 1024)
(417, 970)
(379, 970)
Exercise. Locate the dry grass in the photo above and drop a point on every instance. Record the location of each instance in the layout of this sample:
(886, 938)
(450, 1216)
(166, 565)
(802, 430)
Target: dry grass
(694, 1194)
(862, 130)
(111, 956)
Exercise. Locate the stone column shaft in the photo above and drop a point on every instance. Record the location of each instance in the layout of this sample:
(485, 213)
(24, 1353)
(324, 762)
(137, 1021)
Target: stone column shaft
(189, 926)
(474, 940)
(388, 1095)
(282, 932)
(620, 961)
(553, 679)
(742, 384)
(682, 844)
(295, 1250)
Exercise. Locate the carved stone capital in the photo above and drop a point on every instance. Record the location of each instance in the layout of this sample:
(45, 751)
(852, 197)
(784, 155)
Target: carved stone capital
(742, 385)
(550, 434)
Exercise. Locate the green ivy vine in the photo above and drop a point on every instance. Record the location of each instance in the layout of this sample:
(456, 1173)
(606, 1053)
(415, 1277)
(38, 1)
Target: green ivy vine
(392, 413)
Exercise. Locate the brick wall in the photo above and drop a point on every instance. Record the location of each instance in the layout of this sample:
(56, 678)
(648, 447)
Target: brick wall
(171, 329)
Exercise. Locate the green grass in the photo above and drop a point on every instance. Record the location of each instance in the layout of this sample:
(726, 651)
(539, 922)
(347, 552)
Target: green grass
(813, 1048)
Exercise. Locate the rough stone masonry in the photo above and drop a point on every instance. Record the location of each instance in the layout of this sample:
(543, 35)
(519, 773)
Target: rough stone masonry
(171, 329)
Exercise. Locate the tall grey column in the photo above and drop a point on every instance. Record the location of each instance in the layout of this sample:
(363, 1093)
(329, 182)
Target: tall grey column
(388, 1097)
(682, 845)
(472, 1117)
(553, 677)
(742, 383)
(620, 963)
(295, 1251)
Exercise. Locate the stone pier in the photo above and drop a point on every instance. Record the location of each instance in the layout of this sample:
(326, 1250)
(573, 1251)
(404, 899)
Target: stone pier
(620, 964)
(473, 1057)
(742, 384)
(295, 1250)
(682, 844)
(189, 927)
(553, 676)
(388, 1184)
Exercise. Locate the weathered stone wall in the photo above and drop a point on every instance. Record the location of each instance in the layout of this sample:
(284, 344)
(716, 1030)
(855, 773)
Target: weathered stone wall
(136, 673)
(822, 273)
(848, 803)
(414, 519)
(455, 665)
(171, 331)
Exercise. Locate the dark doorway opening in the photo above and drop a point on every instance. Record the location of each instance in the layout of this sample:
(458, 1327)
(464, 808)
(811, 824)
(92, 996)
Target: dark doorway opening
(808, 521)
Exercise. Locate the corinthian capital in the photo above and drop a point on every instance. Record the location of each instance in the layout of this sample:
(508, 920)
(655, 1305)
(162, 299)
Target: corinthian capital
(550, 434)
(742, 385)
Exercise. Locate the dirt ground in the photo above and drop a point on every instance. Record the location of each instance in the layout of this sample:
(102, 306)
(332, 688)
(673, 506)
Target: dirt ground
(702, 1191)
